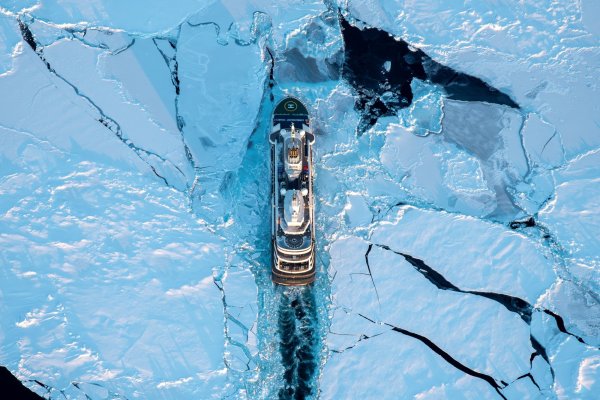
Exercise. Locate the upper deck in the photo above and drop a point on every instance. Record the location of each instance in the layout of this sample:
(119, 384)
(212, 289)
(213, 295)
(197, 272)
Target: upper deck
(290, 126)
(292, 204)
(293, 238)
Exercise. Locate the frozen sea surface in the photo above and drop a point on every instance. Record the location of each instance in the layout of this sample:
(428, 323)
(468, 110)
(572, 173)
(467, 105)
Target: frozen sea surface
(457, 186)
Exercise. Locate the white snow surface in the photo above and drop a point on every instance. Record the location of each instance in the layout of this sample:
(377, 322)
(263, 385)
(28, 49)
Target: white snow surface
(133, 200)
(108, 279)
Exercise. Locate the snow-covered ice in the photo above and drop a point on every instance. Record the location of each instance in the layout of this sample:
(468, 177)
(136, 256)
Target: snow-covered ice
(101, 284)
(458, 239)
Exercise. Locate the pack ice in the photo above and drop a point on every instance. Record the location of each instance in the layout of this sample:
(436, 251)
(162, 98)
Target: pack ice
(458, 238)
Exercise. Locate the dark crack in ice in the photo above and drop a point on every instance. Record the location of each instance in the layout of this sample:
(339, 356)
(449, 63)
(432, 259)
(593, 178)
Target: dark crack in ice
(511, 303)
(173, 65)
(560, 324)
(369, 269)
(108, 122)
(531, 378)
(497, 385)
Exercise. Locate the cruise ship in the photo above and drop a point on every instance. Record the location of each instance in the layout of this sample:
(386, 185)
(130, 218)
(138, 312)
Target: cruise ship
(292, 204)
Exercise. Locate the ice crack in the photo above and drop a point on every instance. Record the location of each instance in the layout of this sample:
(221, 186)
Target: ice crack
(361, 338)
(27, 35)
(528, 375)
(229, 318)
(560, 324)
(369, 269)
(112, 395)
(511, 303)
(108, 122)
(553, 248)
(76, 32)
(173, 65)
(261, 22)
(447, 357)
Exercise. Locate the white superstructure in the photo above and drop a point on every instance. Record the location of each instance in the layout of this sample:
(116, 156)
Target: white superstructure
(292, 204)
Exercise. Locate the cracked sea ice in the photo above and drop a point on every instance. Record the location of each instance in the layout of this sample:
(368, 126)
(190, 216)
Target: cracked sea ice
(91, 140)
